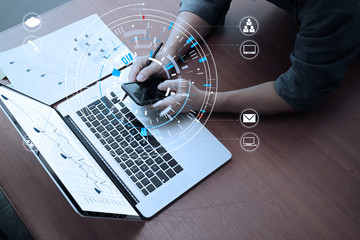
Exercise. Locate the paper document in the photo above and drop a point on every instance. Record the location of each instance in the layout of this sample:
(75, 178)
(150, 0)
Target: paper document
(2, 74)
(52, 67)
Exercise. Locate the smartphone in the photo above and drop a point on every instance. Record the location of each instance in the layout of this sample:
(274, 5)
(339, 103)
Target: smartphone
(144, 93)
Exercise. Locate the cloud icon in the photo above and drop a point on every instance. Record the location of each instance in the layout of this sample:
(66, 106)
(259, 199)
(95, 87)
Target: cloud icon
(32, 22)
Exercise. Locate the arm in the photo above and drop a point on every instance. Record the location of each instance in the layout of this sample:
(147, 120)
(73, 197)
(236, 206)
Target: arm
(204, 13)
(262, 97)
(233, 101)
(172, 44)
(171, 47)
(322, 53)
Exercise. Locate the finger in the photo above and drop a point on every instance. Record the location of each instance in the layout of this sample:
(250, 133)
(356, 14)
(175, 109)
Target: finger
(172, 101)
(147, 72)
(173, 85)
(136, 68)
(162, 104)
(166, 110)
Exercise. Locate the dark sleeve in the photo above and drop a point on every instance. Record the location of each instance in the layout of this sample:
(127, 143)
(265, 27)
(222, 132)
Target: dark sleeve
(324, 48)
(212, 11)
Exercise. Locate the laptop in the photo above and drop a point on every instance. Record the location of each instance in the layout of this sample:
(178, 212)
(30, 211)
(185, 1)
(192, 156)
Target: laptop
(92, 147)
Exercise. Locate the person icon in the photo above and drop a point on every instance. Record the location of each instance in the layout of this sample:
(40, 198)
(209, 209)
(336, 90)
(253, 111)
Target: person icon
(248, 26)
(245, 30)
(252, 29)
(248, 22)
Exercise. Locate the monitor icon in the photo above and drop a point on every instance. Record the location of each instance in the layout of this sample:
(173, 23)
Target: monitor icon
(249, 142)
(249, 49)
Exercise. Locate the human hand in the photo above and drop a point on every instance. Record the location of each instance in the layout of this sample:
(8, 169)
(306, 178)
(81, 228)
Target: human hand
(184, 91)
(141, 74)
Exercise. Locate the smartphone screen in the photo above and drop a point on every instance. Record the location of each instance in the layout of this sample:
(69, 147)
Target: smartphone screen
(144, 93)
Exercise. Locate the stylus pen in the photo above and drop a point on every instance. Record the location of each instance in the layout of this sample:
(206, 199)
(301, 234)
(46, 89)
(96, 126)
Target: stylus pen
(148, 63)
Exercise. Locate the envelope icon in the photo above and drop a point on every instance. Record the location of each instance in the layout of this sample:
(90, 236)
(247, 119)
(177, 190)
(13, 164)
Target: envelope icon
(249, 118)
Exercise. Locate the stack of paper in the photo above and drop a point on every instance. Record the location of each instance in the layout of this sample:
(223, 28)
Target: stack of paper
(52, 67)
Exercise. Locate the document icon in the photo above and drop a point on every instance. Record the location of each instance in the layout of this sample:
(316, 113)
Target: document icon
(249, 118)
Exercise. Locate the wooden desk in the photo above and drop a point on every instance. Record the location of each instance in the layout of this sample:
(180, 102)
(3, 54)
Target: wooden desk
(302, 183)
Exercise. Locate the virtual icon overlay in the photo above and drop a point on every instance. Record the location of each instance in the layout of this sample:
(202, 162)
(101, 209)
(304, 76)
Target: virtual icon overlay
(249, 49)
(142, 37)
(249, 142)
(32, 22)
(248, 26)
(114, 156)
(28, 144)
(249, 118)
(32, 45)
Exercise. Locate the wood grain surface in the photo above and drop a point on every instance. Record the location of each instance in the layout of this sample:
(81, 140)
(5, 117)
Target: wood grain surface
(302, 183)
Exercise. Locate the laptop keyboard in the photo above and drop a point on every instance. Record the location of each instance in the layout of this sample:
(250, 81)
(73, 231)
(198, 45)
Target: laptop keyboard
(142, 158)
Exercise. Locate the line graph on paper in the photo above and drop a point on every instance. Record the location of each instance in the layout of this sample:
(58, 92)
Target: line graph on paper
(73, 165)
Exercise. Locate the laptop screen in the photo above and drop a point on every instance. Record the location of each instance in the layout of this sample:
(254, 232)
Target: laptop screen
(82, 177)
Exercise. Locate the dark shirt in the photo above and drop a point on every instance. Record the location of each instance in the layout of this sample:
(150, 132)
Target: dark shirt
(327, 43)
(212, 11)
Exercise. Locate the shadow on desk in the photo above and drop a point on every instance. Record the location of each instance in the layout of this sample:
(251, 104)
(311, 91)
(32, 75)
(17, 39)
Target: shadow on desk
(11, 226)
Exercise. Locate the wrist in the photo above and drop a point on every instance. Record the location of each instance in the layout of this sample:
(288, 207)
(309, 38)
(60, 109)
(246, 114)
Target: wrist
(162, 57)
(198, 100)
(164, 53)
(219, 100)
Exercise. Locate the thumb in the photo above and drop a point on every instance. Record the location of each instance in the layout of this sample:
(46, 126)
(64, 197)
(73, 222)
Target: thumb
(146, 73)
